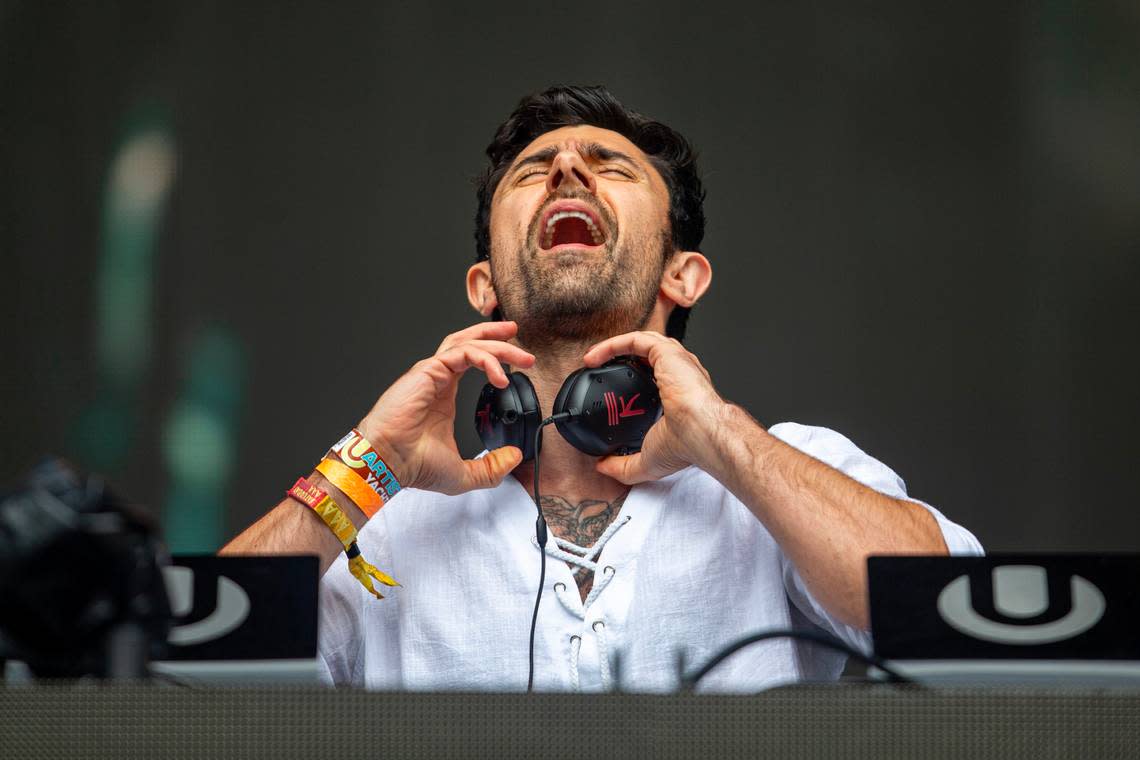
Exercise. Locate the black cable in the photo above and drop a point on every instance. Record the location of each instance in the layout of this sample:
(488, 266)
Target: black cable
(540, 531)
(688, 683)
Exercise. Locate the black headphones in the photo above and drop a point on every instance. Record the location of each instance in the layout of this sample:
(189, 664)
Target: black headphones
(600, 411)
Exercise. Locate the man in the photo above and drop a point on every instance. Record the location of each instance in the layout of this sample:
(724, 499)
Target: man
(716, 529)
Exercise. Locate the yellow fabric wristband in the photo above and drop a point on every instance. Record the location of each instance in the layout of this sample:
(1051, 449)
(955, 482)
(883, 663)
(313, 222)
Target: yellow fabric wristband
(337, 521)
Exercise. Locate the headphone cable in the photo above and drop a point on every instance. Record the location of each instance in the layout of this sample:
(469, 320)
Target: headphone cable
(689, 681)
(541, 533)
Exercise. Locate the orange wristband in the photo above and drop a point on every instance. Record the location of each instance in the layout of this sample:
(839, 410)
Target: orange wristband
(343, 477)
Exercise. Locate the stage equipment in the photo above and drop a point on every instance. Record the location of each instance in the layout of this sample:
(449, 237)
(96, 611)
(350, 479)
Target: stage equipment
(242, 621)
(1036, 619)
(81, 592)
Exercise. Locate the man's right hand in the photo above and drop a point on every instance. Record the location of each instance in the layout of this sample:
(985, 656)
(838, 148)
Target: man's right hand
(413, 423)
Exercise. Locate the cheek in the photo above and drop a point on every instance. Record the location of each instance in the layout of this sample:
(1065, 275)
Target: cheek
(509, 219)
(496, 228)
(646, 221)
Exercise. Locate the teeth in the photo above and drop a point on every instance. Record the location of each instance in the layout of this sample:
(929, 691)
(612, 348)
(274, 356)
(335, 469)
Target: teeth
(548, 236)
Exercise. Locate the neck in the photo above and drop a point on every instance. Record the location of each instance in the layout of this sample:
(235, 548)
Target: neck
(565, 472)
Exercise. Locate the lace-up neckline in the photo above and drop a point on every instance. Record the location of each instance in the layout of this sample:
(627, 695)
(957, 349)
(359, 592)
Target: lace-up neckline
(586, 557)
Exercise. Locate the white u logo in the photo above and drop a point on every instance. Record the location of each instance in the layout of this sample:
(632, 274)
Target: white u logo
(1021, 591)
(230, 610)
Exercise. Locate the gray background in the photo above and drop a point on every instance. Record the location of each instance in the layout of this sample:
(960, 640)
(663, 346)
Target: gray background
(923, 221)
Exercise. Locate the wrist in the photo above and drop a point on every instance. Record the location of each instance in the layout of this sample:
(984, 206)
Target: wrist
(732, 436)
(346, 504)
(325, 506)
(392, 454)
(361, 472)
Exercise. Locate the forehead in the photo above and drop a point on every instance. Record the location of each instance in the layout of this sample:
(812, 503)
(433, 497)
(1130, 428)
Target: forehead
(581, 134)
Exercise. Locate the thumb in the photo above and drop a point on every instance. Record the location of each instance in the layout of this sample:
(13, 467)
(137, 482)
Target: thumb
(489, 471)
(624, 469)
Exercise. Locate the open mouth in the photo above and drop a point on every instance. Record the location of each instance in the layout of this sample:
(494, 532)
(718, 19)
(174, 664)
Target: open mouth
(571, 226)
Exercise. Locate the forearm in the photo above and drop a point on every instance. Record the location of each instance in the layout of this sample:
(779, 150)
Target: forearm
(413, 423)
(292, 528)
(825, 522)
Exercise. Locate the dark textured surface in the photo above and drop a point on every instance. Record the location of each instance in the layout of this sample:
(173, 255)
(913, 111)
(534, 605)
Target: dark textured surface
(852, 722)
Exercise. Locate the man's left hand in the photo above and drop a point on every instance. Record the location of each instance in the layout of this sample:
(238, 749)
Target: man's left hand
(692, 408)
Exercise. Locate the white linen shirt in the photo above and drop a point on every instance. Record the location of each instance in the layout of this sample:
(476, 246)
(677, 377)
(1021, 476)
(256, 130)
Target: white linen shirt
(686, 568)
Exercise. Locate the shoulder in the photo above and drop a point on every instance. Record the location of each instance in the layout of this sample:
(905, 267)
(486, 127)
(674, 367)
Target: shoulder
(839, 451)
(828, 446)
(808, 438)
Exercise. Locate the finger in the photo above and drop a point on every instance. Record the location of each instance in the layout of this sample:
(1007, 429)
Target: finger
(489, 470)
(480, 331)
(628, 469)
(633, 469)
(636, 343)
(506, 352)
(458, 360)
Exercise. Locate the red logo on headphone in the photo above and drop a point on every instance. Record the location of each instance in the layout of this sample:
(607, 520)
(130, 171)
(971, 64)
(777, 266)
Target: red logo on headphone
(617, 407)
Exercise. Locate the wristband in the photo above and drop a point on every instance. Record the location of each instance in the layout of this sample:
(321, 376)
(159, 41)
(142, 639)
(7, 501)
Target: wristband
(362, 460)
(343, 477)
(332, 516)
(327, 509)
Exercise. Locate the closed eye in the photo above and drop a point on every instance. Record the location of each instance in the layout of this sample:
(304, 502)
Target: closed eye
(616, 170)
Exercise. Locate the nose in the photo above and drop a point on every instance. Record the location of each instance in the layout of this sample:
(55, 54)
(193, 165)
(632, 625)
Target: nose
(568, 169)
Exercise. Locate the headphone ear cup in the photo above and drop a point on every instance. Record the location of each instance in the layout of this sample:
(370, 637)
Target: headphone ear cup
(611, 407)
(509, 416)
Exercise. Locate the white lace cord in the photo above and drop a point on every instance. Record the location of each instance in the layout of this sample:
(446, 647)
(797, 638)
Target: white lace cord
(600, 585)
(586, 557)
(603, 654)
(575, 646)
(567, 601)
(561, 549)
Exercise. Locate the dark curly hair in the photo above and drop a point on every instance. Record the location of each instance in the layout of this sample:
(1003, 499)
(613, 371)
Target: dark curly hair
(670, 153)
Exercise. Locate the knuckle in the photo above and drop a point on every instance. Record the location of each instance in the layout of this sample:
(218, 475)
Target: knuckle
(487, 472)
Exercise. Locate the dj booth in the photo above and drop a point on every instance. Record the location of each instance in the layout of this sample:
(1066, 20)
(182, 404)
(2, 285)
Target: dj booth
(1004, 656)
(851, 721)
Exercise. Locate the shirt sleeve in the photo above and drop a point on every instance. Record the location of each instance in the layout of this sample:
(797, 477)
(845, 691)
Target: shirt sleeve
(838, 452)
(340, 640)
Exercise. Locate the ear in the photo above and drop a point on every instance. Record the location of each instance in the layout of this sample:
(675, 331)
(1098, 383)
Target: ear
(686, 278)
(480, 291)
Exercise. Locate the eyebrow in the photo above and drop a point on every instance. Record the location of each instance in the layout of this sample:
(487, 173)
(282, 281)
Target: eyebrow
(591, 150)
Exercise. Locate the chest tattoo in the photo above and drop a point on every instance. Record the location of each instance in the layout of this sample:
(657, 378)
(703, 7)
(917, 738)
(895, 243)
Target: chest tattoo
(581, 524)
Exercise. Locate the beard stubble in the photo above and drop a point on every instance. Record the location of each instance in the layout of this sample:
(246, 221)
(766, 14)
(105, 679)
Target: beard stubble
(573, 298)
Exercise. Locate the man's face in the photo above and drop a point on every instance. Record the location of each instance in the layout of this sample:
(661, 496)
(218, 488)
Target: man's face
(579, 237)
